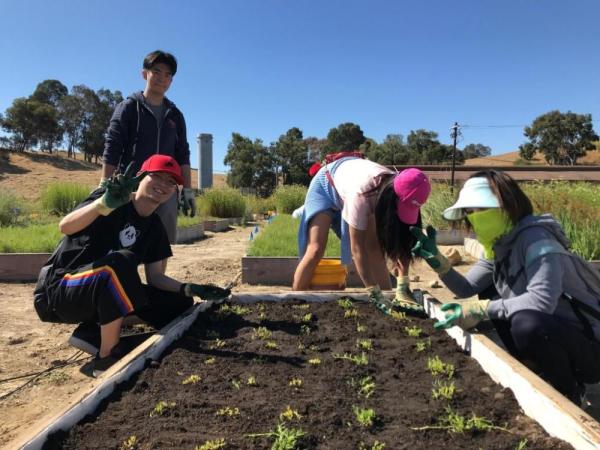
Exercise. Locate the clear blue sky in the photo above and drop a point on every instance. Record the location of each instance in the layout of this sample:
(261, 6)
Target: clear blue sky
(260, 67)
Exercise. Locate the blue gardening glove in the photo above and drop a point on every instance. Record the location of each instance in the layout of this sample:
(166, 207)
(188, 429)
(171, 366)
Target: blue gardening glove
(466, 314)
(404, 299)
(204, 291)
(426, 248)
(188, 202)
(118, 190)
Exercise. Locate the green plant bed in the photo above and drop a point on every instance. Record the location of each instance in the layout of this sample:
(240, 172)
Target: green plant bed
(280, 238)
(36, 238)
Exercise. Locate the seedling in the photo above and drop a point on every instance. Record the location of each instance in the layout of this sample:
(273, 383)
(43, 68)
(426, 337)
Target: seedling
(305, 329)
(366, 417)
(192, 379)
(301, 306)
(413, 331)
(350, 313)
(313, 348)
(271, 345)
(397, 315)
(161, 408)
(233, 309)
(251, 381)
(364, 344)
(437, 367)
(262, 333)
(215, 444)
(522, 444)
(290, 414)
(217, 343)
(130, 443)
(307, 317)
(376, 446)
(210, 361)
(345, 303)
(365, 386)
(443, 390)
(455, 423)
(295, 382)
(314, 361)
(359, 360)
(360, 328)
(229, 412)
(284, 438)
(421, 346)
(236, 384)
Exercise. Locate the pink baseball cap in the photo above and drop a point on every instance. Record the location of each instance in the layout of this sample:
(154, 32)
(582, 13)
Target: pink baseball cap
(412, 188)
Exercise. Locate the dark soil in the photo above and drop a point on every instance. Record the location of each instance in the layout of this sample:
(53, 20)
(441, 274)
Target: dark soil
(402, 399)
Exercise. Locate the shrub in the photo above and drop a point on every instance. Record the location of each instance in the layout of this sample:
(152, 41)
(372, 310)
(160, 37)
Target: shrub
(280, 239)
(258, 205)
(10, 209)
(222, 202)
(61, 198)
(288, 198)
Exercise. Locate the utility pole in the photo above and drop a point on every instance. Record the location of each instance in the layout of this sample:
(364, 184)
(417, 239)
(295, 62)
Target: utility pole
(454, 136)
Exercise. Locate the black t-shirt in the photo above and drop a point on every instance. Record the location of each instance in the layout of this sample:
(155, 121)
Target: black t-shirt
(122, 229)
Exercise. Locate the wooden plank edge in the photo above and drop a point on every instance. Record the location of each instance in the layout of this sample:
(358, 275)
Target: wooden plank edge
(88, 400)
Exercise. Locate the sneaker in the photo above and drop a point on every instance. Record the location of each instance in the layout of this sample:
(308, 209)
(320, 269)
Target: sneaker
(101, 365)
(86, 337)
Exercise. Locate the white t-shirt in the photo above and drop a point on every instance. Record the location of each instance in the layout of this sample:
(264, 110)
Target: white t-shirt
(351, 178)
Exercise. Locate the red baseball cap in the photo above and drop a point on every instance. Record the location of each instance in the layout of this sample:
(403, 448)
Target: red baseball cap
(412, 188)
(163, 163)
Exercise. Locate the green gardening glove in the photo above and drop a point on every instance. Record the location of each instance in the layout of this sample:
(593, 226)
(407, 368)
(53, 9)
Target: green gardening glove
(204, 291)
(118, 190)
(376, 297)
(466, 314)
(426, 248)
(404, 299)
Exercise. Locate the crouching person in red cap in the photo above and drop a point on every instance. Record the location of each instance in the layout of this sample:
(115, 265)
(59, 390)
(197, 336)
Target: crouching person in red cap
(92, 277)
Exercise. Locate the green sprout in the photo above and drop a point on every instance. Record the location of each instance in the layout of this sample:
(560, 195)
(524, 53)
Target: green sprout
(290, 414)
(229, 412)
(364, 344)
(397, 316)
(421, 346)
(365, 416)
(345, 303)
(305, 329)
(307, 317)
(161, 408)
(359, 360)
(131, 443)
(295, 382)
(217, 343)
(251, 381)
(314, 361)
(262, 333)
(233, 309)
(271, 345)
(192, 379)
(437, 367)
(284, 438)
(365, 386)
(215, 444)
(522, 444)
(360, 328)
(349, 313)
(236, 384)
(413, 331)
(210, 361)
(455, 423)
(376, 446)
(442, 389)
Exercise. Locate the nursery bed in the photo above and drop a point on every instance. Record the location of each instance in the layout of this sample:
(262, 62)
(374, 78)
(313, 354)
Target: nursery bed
(240, 350)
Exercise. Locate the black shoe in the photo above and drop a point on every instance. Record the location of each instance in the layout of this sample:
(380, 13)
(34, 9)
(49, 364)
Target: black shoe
(578, 396)
(86, 337)
(101, 365)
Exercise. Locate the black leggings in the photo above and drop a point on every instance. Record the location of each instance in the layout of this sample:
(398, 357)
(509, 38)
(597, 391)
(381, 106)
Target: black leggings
(561, 354)
(111, 288)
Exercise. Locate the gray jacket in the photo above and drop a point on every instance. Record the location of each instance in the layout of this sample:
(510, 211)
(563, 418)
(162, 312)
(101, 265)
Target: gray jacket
(533, 269)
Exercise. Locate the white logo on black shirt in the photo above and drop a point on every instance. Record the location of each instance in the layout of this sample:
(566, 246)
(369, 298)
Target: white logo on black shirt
(128, 236)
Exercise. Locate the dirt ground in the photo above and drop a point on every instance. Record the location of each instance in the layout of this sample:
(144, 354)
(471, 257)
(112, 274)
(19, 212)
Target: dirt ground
(30, 346)
(273, 344)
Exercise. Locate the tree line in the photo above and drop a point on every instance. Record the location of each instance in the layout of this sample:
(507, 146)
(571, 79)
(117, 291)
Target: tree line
(53, 116)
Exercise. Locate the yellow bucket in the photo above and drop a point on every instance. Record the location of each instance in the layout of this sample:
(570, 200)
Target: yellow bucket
(330, 274)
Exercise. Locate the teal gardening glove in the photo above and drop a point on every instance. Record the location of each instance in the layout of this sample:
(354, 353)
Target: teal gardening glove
(426, 248)
(118, 190)
(376, 297)
(466, 314)
(188, 202)
(204, 291)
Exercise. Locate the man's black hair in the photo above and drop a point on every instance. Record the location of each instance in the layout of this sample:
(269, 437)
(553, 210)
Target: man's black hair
(158, 57)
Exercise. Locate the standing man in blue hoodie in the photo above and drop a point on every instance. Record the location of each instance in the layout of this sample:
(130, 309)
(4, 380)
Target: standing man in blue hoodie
(147, 123)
